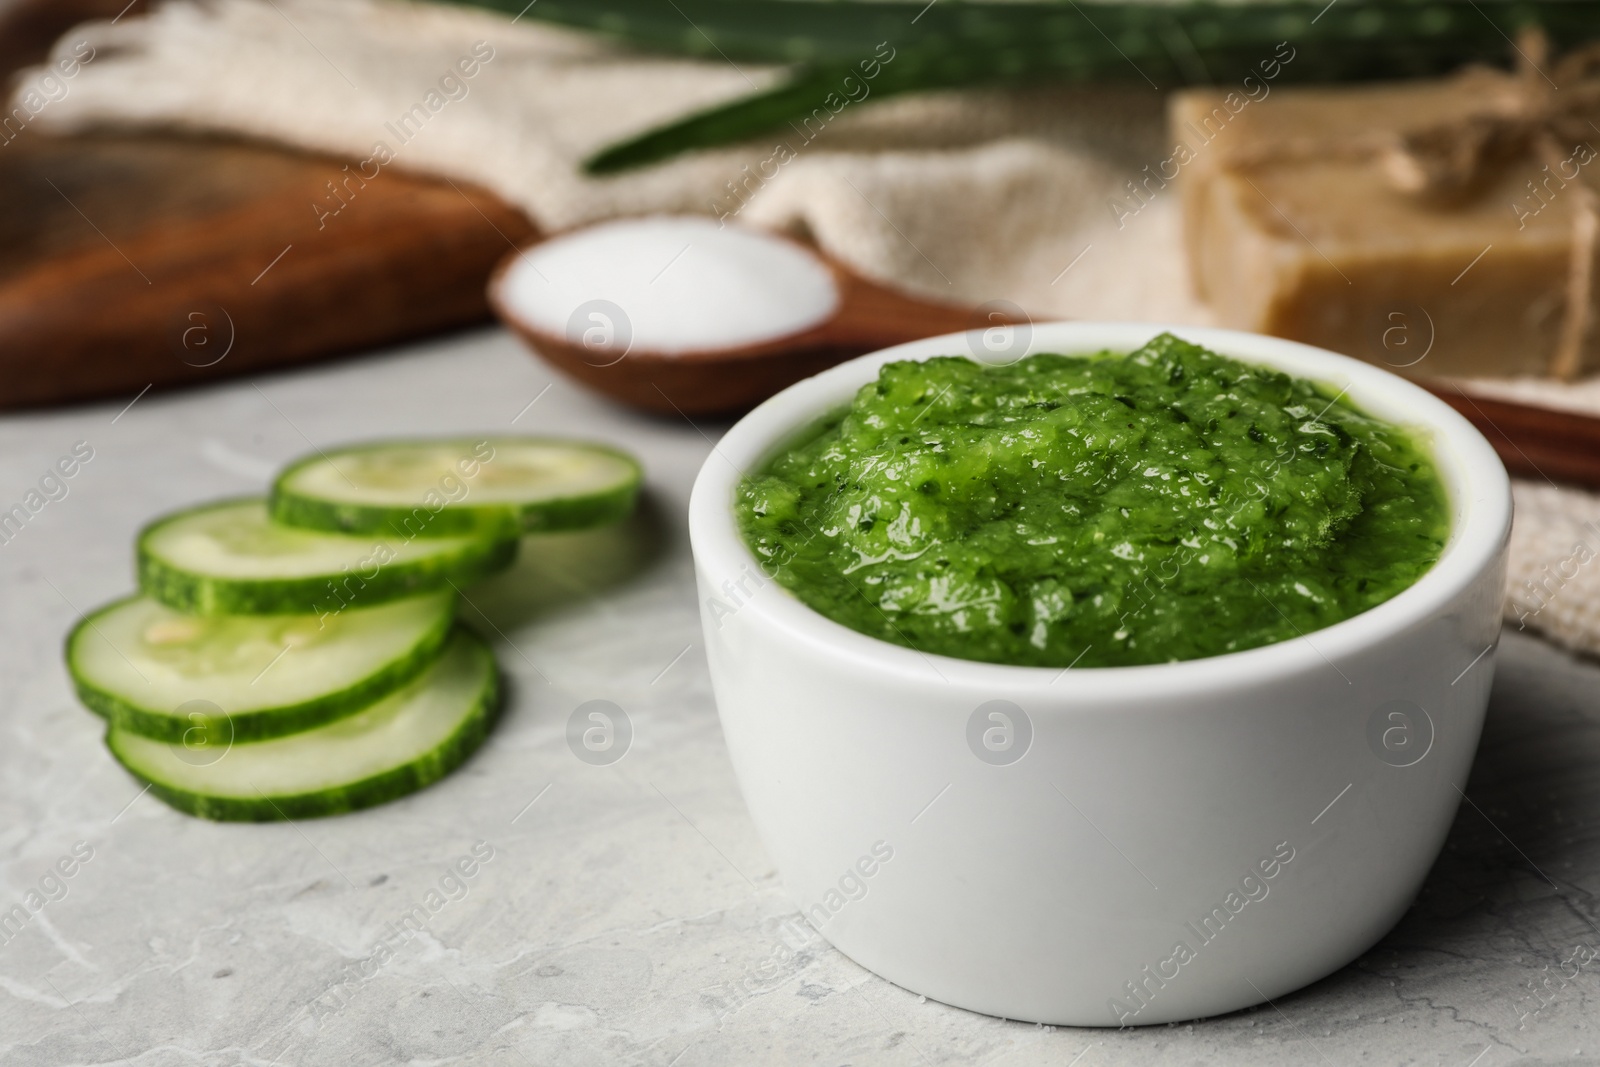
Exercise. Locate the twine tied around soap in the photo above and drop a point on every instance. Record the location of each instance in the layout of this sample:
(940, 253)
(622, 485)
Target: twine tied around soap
(1452, 158)
(1531, 114)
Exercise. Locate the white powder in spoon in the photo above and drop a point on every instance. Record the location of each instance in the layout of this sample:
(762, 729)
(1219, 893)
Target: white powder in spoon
(680, 283)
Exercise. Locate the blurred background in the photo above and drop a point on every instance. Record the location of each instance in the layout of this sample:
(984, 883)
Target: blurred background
(205, 190)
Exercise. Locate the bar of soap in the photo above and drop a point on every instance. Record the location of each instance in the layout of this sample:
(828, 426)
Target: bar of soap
(1312, 241)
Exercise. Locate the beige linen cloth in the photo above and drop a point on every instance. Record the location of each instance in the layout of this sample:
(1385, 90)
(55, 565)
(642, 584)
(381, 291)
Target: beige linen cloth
(969, 196)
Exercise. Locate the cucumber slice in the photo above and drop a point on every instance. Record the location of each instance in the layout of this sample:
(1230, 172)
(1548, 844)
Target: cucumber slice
(153, 671)
(230, 558)
(407, 740)
(440, 488)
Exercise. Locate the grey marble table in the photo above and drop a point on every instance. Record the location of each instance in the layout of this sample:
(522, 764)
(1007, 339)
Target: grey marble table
(627, 913)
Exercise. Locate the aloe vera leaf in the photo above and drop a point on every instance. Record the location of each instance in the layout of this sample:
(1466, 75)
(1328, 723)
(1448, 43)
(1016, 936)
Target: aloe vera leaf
(801, 97)
(823, 31)
(956, 43)
(1167, 56)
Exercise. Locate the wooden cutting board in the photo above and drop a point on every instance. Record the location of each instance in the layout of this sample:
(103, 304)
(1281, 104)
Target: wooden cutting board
(131, 261)
(134, 261)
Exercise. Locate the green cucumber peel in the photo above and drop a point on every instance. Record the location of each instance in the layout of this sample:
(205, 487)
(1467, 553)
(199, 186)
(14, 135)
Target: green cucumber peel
(205, 561)
(146, 668)
(425, 488)
(403, 743)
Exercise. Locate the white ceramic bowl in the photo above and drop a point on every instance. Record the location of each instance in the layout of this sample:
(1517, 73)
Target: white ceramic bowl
(1109, 846)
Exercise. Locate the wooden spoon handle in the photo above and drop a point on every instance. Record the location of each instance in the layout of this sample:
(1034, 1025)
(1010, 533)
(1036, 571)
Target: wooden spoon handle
(1545, 443)
(873, 316)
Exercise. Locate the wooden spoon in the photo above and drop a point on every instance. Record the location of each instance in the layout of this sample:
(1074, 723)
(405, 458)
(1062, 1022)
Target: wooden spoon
(1532, 441)
(868, 317)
